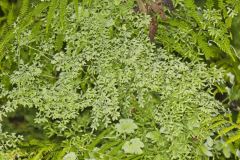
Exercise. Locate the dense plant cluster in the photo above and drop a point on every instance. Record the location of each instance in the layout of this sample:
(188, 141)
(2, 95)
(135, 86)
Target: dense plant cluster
(83, 80)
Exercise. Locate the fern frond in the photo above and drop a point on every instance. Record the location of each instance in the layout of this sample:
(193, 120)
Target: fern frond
(9, 19)
(36, 29)
(116, 149)
(2, 19)
(209, 4)
(218, 124)
(221, 4)
(228, 22)
(41, 152)
(75, 2)
(63, 6)
(4, 5)
(108, 146)
(98, 139)
(180, 48)
(59, 41)
(53, 6)
(87, 2)
(10, 16)
(203, 45)
(225, 131)
(191, 6)
(24, 8)
(3, 30)
(233, 138)
(61, 153)
(23, 24)
(224, 44)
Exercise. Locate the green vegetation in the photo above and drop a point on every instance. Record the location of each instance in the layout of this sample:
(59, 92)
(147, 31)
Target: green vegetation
(119, 80)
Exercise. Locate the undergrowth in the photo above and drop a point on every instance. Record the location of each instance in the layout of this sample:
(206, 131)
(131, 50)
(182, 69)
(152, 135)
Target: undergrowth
(86, 81)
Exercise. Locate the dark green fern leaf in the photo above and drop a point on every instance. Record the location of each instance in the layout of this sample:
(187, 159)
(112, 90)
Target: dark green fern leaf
(53, 6)
(209, 4)
(75, 2)
(23, 24)
(221, 4)
(203, 45)
(192, 9)
(10, 17)
(98, 139)
(63, 6)
(108, 146)
(59, 41)
(24, 8)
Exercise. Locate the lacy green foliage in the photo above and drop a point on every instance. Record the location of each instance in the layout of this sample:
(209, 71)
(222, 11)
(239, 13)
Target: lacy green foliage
(12, 11)
(203, 32)
(7, 15)
(200, 29)
(9, 140)
(25, 11)
(86, 74)
(18, 12)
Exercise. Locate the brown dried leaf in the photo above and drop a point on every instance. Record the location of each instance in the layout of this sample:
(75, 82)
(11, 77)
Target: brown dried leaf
(158, 8)
(153, 28)
(142, 6)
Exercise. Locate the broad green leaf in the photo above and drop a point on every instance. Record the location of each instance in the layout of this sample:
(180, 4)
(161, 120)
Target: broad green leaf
(206, 151)
(70, 156)
(234, 138)
(126, 126)
(226, 152)
(154, 136)
(134, 146)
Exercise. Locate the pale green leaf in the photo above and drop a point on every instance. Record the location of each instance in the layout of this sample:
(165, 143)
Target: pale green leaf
(134, 146)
